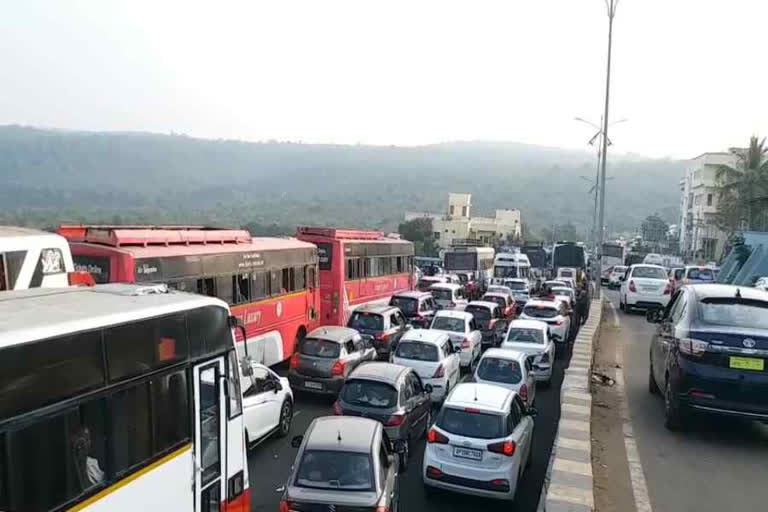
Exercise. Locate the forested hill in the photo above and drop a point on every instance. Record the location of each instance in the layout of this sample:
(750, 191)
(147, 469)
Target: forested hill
(47, 176)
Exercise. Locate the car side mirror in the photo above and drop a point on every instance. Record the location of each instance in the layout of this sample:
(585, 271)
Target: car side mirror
(532, 412)
(428, 388)
(246, 366)
(400, 448)
(296, 441)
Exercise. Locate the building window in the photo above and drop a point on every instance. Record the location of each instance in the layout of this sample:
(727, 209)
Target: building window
(709, 199)
(437, 235)
(463, 211)
(451, 210)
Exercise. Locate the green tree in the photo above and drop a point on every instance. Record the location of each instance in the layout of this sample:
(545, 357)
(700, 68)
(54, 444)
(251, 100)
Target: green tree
(743, 189)
(419, 231)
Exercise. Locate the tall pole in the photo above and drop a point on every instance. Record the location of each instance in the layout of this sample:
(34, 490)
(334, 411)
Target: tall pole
(597, 190)
(611, 4)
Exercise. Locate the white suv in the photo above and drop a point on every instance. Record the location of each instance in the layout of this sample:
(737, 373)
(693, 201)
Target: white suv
(432, 355)
(481, 442)
(644, 286)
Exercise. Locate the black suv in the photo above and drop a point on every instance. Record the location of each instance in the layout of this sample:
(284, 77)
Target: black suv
(709, 353)
(383, 325)
(417, 307)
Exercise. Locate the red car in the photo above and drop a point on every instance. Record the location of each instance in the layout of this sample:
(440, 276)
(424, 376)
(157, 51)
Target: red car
(505, 302)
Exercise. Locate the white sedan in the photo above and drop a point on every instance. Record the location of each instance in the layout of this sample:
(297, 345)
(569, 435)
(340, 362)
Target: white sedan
(267, 405)
(464, 332)
(644, 286)
(533, 338)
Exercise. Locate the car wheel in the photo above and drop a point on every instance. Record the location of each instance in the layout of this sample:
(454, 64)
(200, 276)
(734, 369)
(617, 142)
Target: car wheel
(286, 418)
(674, 416)
(653, 388)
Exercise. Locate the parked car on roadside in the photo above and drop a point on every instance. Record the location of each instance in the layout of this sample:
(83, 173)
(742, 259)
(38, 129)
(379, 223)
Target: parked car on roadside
(489, 318)
(555, 315)
(533, 337)
(464, 333)
(325, 357)
(391, 394)
(381, 325)
(434, 358)
(644, 286)
(267, 405)
(448, 295)
(508, 368)
(417, 307)
(709, 353)
(505, 302)
(481, 443)
(344, 462)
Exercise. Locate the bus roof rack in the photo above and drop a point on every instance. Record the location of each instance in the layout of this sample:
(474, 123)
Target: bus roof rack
(349, 234)
(118, 236)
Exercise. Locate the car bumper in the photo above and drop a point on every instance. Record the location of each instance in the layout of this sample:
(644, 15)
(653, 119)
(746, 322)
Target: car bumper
(545, 374)
(473, 481)
(328, 386)
(637, 300)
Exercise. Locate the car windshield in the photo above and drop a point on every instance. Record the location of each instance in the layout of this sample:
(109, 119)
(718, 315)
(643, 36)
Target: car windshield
(479, 312)
(515, 285)
(525, 335)
(447, 323)
(407, 305)
(326, 469)
(540, 312)
(734, 312)
(649, 273)
(366, 321)
(316, 347)
(560, 290)
(369, 393)
(441, 294)
(504, 371)
(417, 351)
(471, 423)
(702, 274)
(495, 298)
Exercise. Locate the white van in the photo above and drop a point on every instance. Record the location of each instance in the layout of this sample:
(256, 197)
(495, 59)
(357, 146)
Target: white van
(30, 258)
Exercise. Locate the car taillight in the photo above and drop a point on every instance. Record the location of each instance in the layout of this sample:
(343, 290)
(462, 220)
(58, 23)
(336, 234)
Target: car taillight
(440, 372)
(632, 286)
(465, 343)
(395, 420)
(693, 347)
(285, 506)
(381, 509)
(559, 321)
(523, 392)
(337, 409)
(504, 447)
(433, 436)
(295, 361)
(383, 336)
(434, 472)
(667, 289)
(491, 323)
(337, 369)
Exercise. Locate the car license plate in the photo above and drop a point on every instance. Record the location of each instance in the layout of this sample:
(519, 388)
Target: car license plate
(747, 363)
(312, 385)
(467, 453)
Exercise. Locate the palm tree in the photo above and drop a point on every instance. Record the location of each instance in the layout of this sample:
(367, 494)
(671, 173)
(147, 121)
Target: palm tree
(743, 188)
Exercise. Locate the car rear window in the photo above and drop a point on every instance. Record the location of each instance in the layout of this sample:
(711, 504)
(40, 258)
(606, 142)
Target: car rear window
(344, 471)
(440, 294)
(562, 291)
(702, 274)
(734, 312)
(447, 323)
(499, 370)
(649, 273)
(498, 300)
(416, 351)
(471, 423)
(368, 321)
(515, 285)
(407, 305)
(369, 393)
(316, 347)
(540, 312)
(479, 312)
(523, 335)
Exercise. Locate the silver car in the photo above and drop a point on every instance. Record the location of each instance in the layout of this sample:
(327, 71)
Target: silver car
(344, 462)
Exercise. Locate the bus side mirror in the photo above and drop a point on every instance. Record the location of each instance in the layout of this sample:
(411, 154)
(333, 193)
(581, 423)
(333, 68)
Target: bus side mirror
(246, 366)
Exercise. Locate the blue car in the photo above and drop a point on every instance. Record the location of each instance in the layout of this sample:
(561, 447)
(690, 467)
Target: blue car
(709, 353)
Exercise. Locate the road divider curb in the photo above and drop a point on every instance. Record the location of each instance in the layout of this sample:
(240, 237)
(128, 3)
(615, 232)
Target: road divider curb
(568, 484)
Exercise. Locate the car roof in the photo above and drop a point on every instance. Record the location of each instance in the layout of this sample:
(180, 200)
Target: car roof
(333, 333)
(375, 308)
(380, 371)
(555, 281)
(529, 324)
(483, 303)
(454, 314)
(709, 291)
(647, 265)
(504, 353)
(446, 286)
(425, 336)
(562, 288)
(495, 294)
(480, 396)
(356, 434)
(413, 295)
(543, 303)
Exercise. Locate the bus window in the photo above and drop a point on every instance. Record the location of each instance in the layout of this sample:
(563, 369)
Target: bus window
(170, 410)
(298, 273)
(277, 282)
(260, 285)
(132, 428)
(242, 285)
(224, 289)
(311, 277)
(206, 286)
(10, 266)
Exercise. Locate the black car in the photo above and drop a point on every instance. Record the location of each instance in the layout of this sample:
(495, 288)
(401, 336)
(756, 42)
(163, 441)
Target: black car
(709, 353)
(382, 325)
(417, 307)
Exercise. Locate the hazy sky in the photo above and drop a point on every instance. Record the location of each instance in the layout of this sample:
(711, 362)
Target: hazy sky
(690, 75)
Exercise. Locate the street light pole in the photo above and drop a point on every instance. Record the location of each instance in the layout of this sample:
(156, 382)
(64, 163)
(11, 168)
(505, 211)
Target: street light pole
(611, 5)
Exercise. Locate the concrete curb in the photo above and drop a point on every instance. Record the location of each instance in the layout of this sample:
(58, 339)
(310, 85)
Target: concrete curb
(568, 484)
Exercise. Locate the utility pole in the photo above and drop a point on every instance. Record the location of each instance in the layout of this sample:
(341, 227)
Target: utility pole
(611, 5)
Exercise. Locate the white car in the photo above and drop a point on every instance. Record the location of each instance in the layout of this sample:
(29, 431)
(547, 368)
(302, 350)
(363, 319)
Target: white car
(508, 368)
(521, 289)
(267, 405)
(533, 338)
(448, 295)
(615, 275)
(555, 282)
(464, 332)
(432, 355)
(644, 286)
(498, 288)
(762, 283)
(555, 315)
(565, 293)
(483, 434)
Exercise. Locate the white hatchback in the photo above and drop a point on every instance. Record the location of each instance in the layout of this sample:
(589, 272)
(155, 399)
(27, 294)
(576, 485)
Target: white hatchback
(481, 442)
(432, 355)
(555, 315)
(644, 286)
(533, 338)
(511, 369)
(464, 332)
(267, 405)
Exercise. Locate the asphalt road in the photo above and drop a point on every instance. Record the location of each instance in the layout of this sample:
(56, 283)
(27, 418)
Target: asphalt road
(720, 464)
(270, 462)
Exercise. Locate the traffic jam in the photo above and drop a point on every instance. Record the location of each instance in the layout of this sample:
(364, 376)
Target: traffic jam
(353, 372)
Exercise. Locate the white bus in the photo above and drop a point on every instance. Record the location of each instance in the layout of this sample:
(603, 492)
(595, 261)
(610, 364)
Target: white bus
(478, 260)
(511, 265)
(119, 398)
(33, 259)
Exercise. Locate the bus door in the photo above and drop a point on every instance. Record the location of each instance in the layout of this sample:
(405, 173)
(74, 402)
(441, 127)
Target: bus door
(210, 433)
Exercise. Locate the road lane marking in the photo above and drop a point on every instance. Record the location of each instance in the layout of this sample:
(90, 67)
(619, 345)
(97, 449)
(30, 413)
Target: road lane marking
(616, 321)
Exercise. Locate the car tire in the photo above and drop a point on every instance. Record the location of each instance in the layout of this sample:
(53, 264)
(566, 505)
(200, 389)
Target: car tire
(674, 415)
(653, 388)
(286, 419)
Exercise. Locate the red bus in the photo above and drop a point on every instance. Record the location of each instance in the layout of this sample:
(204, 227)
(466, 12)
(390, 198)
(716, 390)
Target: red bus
(358, 267)
(269, 283)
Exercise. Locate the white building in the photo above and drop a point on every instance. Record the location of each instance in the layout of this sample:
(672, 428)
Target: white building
(700, 239)
(456, 223)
